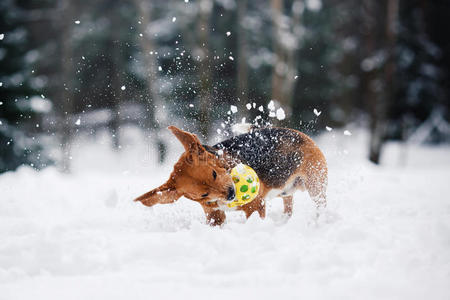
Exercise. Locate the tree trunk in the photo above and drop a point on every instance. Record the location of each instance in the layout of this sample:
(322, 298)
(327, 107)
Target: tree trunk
(380, 102)
(242, 67)
(203, 26)
(149, 53)
(66, 90)
(286, 57)
(277, 80)
(293, 54)
(116, 81)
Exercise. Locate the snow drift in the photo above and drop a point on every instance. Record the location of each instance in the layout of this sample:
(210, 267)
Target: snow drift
(385, 233)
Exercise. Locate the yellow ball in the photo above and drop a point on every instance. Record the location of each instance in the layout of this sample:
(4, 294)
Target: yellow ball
(246, 183)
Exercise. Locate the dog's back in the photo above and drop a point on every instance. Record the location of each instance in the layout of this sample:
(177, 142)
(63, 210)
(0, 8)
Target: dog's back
(274, 153)
(282, 158)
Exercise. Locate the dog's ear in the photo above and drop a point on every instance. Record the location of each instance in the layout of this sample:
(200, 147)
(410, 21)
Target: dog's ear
(190, 141)
(164, 194)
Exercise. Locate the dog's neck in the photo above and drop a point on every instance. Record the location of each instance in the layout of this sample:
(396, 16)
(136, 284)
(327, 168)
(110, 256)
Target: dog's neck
(229, 161)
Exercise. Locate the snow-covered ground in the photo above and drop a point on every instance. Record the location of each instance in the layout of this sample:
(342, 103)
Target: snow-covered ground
(385, 234)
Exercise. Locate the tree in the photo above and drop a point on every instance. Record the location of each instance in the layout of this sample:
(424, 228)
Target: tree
(20, 102)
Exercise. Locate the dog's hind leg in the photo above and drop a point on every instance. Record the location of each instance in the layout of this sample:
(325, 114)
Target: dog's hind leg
(288, 204)
(317, 187)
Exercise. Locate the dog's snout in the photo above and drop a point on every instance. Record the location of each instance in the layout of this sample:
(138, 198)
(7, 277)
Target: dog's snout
(231, 193)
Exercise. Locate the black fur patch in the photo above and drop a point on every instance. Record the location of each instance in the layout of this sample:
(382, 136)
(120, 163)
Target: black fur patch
(274, 153)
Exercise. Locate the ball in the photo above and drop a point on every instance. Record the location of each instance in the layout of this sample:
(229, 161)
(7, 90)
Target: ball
(246, 184)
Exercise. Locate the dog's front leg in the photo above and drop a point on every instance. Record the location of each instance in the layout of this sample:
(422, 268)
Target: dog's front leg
(259, 205)
(164, 194)
(214, 216)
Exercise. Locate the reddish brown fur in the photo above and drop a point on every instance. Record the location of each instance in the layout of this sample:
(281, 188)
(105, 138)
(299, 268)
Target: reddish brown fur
(192, 178)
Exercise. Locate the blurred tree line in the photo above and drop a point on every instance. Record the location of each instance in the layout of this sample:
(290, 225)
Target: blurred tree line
(70, 66)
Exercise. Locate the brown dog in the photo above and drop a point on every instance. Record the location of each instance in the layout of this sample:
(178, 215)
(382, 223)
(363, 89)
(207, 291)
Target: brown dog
(285, 160)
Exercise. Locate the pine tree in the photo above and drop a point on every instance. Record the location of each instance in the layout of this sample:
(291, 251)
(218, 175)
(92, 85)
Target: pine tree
(20, 102)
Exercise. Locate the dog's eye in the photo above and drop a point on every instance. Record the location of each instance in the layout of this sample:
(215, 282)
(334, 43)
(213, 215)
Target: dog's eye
(205, 195)
(214, 175)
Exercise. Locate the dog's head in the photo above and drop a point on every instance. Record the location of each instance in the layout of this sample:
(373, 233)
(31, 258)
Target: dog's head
(198, 175)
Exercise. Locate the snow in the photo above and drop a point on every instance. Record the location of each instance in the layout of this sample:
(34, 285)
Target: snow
(249, 106)
(384, 235)
(233, 109)
(316, 112)
(2, 36)
(347, 132)
(314, 5)
(231, 58)
(40, 105)
(228, 33)
(328, 128)
(280, 114)
(78, 122)
(77, 22)
(174, 19)
(271, 105)
(123, 88)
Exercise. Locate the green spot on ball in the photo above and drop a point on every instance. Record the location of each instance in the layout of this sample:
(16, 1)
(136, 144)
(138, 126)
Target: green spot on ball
(246, 197)
(244, 188)
(253, 190)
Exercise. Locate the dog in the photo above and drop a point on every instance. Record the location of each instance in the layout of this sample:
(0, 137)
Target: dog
(285, 160)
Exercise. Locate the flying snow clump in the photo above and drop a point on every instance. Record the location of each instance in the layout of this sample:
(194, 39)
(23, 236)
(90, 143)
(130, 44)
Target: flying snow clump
(228, 33)
(328, 128)
(78, 122)
(271, 105)
(2, 36)
(347, 133)
(233, 109)
(123, 88)
(280, 114)
(231, 57)
(174, 19)
(316, 112)
(77, 22)
(249, 106)
(40, 105)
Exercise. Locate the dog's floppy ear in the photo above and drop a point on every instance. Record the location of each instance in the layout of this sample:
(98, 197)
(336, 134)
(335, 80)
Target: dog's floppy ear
(190, 141)
(164, 194)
